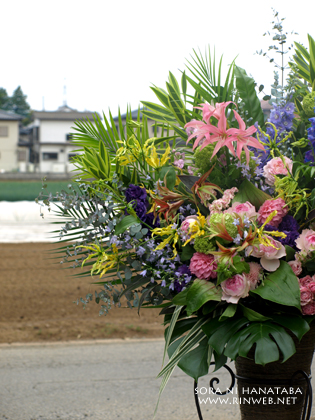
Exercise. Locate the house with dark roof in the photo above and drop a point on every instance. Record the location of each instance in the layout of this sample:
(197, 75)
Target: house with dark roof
(50, 138)
(9, 137)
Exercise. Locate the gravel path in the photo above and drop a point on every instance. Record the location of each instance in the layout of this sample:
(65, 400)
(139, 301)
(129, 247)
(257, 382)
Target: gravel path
(102, 380)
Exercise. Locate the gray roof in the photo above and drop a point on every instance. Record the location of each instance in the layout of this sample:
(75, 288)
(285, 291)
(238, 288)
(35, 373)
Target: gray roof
(9, 116)
(61, 115)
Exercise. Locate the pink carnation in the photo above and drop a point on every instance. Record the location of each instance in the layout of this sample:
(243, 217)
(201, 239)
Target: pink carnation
(306, 295)
(203, 266)
(309, 309)
(306, 241)
(296, 267)
(268, 207)
(253, 275)
(235, 288)
(242, 209)
(276, 167)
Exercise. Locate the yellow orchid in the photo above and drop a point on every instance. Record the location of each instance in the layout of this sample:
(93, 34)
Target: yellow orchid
(196, 228)
(104, 261)
(151, 156)
(129, 152)
(172, 237)
(262, 238)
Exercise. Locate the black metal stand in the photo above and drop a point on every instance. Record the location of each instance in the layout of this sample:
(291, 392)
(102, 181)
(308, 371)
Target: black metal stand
(304, 377)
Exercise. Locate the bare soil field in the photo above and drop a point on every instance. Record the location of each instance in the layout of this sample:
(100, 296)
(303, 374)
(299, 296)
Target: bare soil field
(37, 297)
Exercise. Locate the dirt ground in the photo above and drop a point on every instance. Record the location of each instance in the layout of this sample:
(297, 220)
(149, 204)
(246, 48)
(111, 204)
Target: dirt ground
(37, 297)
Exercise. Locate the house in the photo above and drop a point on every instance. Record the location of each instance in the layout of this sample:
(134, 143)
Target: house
(9, 137)
(49, 134)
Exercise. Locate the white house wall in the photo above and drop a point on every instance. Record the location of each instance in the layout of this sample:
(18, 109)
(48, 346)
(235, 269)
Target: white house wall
(8, 146)
(55, 131)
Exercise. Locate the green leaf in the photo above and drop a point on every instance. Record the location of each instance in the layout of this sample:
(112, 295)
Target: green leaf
(125, 223)
(245, 86)
(229, 312)
(290, 253)
(281, 287)
(196, 363)
(181, 298)
(253, 315)
(170, 174)
(224, 332)
(248, 192)
(298, 325)
(180, 328)
(267, 348)
(187, 252)
(200, 292)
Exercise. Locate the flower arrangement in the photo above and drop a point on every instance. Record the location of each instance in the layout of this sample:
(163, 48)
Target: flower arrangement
(211, 221)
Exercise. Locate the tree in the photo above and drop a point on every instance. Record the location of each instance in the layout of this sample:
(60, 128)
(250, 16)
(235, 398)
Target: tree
(3, 98)
(16, 103)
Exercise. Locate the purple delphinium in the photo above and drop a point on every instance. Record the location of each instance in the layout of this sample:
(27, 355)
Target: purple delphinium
(309, 155)
(134, 192)
(290, 227)
(183, 277)
(139, 200)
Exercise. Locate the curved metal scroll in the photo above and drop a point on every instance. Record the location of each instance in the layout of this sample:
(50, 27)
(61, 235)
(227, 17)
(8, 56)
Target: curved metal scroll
(212, 382)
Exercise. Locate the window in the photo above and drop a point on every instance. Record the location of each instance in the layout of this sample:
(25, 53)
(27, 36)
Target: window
(21, 156)
(4, 131)
(69, 137)
(50, 156)
(71, 156)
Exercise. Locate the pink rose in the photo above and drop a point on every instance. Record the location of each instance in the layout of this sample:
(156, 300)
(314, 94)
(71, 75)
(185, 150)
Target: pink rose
(276, 167)
(309, 309)
(269, 255)
(203, 266)
(306, 241)
(306, 295)
(296, 267)
(311, 287)
(305, 281)
(235, 288)
(268, 207)
(242, 209)
(188, 222)
(253, 275)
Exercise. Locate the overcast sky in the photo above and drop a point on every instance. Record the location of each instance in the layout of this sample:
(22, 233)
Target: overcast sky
(109, 53)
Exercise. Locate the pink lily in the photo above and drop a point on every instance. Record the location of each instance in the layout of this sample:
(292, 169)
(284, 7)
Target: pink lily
(209, 111)
(243, 137)
(210, 132)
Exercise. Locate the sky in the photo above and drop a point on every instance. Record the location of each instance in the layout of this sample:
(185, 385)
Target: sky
(109, 53)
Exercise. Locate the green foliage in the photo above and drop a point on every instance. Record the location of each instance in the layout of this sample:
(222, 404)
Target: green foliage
(203, 158)
(200, 292)
(245, 86)
(178, 107)
(308, 105)
(208, 80)
(16, 103)
(248, 192)
(281, 287)
(281, 37)
(204, 245)
(3, 98)
(304, 63)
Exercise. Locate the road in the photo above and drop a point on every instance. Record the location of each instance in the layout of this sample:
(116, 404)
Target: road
(102, 380)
